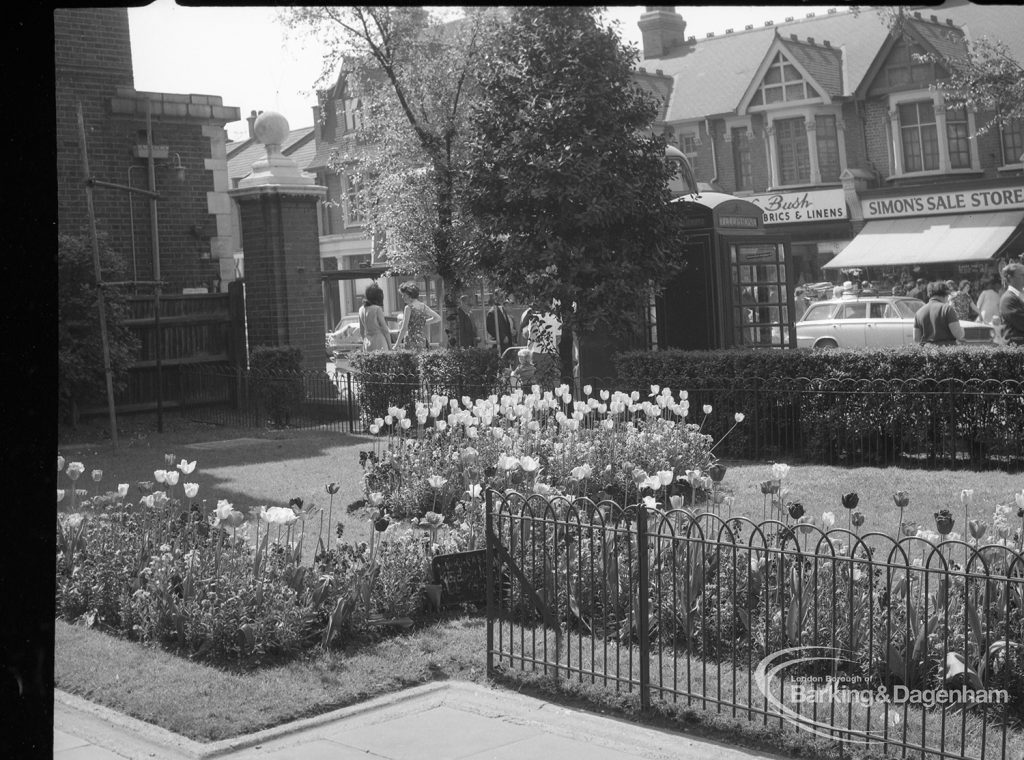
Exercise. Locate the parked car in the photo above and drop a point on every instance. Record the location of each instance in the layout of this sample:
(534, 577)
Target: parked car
(344, 339)
(870, 321)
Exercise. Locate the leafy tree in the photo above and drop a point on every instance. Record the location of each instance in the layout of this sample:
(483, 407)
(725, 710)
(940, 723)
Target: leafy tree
(412, 71)
(82, 379)
(568, 183)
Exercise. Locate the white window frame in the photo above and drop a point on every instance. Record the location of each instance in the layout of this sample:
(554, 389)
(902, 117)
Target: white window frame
(741, 122)
(352, 217)
(807, 112)
(896, 99)
(1009, 162)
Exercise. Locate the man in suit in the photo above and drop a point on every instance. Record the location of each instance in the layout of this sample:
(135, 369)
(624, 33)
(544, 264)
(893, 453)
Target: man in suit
(1011, 304)
(500, 324)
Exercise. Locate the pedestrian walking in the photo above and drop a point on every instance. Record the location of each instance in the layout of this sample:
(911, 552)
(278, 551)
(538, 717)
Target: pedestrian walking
(413, 335)
(988, 300)
(936, 322)
(373, 328)
(542, 333)
(1011, 304)
(501, 326)
(961, 301)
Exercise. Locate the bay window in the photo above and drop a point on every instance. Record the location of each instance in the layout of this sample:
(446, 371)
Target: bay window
(929, 137)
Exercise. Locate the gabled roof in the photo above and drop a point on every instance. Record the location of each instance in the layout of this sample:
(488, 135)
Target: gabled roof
(240, 164)
(823, 64)
(711, 76)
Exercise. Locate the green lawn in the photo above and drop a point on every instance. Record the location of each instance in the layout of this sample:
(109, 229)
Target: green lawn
(269, 467)
(253, 468)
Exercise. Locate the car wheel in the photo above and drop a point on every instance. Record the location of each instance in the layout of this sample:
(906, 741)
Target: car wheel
(826, 343)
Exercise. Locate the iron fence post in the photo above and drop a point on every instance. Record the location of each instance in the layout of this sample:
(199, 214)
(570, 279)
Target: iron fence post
(643, 626)
(490, 578)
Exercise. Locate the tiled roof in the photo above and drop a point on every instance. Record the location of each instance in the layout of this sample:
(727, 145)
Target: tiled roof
(1001, 22)
(824, 64)
(710, 76)
(945, 40)
(240, 164)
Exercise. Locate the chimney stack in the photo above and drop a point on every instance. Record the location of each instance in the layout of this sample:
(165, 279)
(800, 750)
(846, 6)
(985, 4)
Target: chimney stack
(252, 123)
(663, 30)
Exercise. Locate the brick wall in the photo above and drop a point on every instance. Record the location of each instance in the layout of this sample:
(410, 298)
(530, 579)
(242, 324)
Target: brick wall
(93, 68)
(283, 291)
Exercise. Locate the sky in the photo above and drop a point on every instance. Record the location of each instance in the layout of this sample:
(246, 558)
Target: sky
(243, 54)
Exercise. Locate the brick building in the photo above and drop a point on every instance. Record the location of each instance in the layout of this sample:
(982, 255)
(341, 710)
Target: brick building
(93, 68)
(829, 124)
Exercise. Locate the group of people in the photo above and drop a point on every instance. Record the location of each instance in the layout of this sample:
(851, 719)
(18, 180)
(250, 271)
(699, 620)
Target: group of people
(938, 321)
(539, 328)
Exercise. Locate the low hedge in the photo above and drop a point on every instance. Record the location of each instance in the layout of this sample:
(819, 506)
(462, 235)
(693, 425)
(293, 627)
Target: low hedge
(680, 369)
(277, 381)
(877, 406)
(398, 378)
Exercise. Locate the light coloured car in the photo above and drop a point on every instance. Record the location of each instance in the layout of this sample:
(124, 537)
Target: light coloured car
(870, 321)
(344, 339)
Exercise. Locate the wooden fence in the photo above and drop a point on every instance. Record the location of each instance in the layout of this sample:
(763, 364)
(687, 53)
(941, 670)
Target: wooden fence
(195, 329)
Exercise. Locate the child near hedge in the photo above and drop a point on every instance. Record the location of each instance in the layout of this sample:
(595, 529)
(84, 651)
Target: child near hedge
(522, 376)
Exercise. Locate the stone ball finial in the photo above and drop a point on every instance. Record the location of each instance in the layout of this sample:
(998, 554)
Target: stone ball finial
(271, 128)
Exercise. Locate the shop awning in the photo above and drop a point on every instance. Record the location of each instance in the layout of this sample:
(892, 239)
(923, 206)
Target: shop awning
(929, 240)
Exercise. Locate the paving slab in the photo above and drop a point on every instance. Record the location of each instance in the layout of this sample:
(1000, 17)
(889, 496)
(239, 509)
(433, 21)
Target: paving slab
(450, 720)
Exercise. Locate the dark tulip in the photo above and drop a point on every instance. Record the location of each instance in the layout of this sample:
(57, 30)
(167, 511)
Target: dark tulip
(332, 488)
(381, 524)
(491, 471)
(901, 499)
(850, 500)
(944, 522)
(796, 509)
(769, 486)
(857, 518)
(339, 529)
(1020, 512)
(295, 503)
(145, 486)
(717, 472)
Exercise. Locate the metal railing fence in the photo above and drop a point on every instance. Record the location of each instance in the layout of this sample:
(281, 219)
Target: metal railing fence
(850, 637)
(935, 424)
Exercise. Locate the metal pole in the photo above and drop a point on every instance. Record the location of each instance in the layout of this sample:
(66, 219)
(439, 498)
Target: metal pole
(157, 342)
(100, 300)
(643, 624)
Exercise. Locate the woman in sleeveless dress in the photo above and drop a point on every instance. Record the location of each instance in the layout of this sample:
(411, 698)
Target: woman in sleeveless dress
(373, 328)
(413, 335)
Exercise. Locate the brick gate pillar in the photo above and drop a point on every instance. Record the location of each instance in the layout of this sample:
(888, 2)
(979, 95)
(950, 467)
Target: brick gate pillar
(278, 207)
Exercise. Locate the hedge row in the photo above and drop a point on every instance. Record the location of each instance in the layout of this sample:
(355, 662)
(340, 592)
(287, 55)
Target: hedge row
(939, 407)
(680, 369)
(399, 378)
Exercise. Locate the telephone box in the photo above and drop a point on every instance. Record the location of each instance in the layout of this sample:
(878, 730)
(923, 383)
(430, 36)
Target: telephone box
(736, 289)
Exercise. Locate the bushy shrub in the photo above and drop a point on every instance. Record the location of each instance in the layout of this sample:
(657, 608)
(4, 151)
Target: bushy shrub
(81, 376)
(385, 379)
(276, 373)
(459, 372)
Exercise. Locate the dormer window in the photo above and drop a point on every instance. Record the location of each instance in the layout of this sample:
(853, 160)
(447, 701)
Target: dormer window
(783, 83)
(353, 108)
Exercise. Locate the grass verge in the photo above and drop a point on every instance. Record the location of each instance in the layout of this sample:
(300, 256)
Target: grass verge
(207, 704)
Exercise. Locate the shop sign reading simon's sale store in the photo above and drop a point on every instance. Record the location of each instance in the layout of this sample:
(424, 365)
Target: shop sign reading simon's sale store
(801, 206)
(949, 202)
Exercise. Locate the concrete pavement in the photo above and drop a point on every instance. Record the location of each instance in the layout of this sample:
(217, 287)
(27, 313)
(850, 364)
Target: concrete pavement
(449, 720)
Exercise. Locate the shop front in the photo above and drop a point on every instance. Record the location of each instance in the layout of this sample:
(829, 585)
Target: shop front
(954, 231)
(816, 221)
